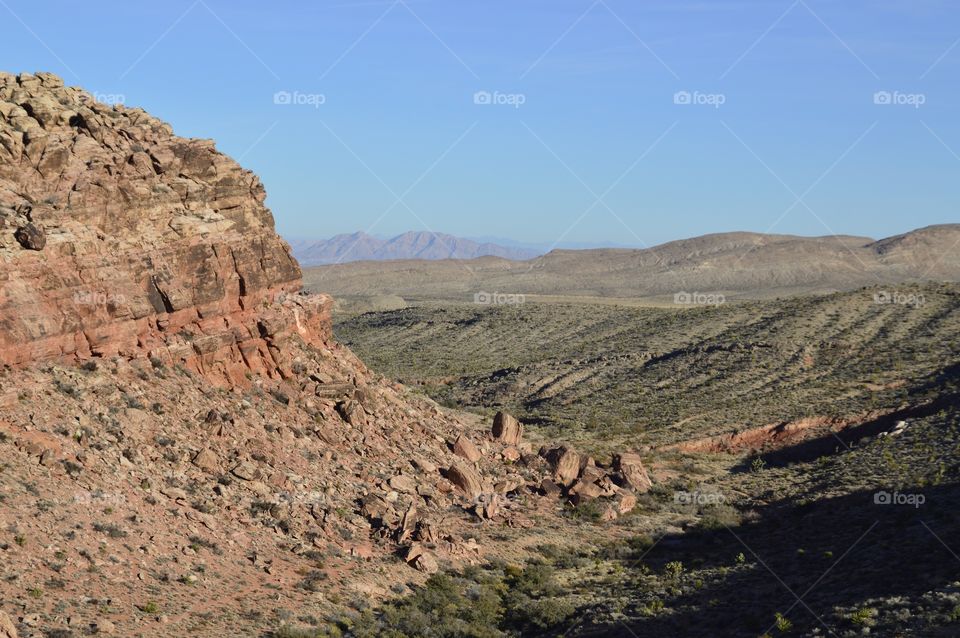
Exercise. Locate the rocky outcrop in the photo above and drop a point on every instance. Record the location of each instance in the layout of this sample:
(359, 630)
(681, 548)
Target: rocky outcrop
(119, 238)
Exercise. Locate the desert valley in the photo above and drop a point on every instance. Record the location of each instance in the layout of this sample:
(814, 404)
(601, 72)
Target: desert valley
(736, 434)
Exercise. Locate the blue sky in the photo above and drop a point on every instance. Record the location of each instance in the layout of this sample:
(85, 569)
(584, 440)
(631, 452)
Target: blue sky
(578, 135)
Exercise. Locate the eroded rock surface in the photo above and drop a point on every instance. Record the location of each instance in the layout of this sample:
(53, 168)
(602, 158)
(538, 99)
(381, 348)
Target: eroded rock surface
(119, 238)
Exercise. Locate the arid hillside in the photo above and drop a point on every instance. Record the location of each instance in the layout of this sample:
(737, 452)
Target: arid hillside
(659, 376)
(737, 265)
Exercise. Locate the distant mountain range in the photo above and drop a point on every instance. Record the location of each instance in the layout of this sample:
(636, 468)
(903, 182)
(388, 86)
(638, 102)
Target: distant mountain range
(411, 245)
(736, 264)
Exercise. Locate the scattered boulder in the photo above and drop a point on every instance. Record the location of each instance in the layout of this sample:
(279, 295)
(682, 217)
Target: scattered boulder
(464, 448)
(421, 559)
(7, 628)
(565, 463)
(583, 491)
(511, 454)
(548, 487)
(507, 429)
(352, 412)
(466, 478)
(631, 467)
(31, 236)
(403, 483)
(207, 461)
(247, 471)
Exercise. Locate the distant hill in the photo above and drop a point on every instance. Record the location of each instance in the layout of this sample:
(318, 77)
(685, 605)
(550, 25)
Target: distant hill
(411, 245)
(736, 264)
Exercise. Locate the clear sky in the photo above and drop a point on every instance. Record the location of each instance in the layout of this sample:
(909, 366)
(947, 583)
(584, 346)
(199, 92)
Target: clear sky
(363, 114)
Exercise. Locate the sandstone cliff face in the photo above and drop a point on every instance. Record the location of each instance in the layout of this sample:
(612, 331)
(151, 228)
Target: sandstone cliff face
(119, 238)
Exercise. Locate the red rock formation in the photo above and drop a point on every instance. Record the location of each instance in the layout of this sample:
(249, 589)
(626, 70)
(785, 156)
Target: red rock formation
(119, 238)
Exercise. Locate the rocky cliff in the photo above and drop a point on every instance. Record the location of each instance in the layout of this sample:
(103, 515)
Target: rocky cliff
(119, 238)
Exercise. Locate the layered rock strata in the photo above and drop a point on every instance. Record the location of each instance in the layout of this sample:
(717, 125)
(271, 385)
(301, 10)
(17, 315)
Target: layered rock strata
(119, 238)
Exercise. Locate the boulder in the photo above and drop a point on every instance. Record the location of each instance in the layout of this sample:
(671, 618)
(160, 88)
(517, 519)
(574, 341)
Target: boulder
(507, 429)
(421, 559)
(466, 478)
(207, 461)
(565, 463)
(31, 237)
(7, 628)
(403, 483)
(464, 448)
(352, 412)
(511, 454)
(634, 473)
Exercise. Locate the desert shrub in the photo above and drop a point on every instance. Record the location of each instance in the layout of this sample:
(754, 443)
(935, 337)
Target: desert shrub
(499, 601)
(720, 516)
(548, 612)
